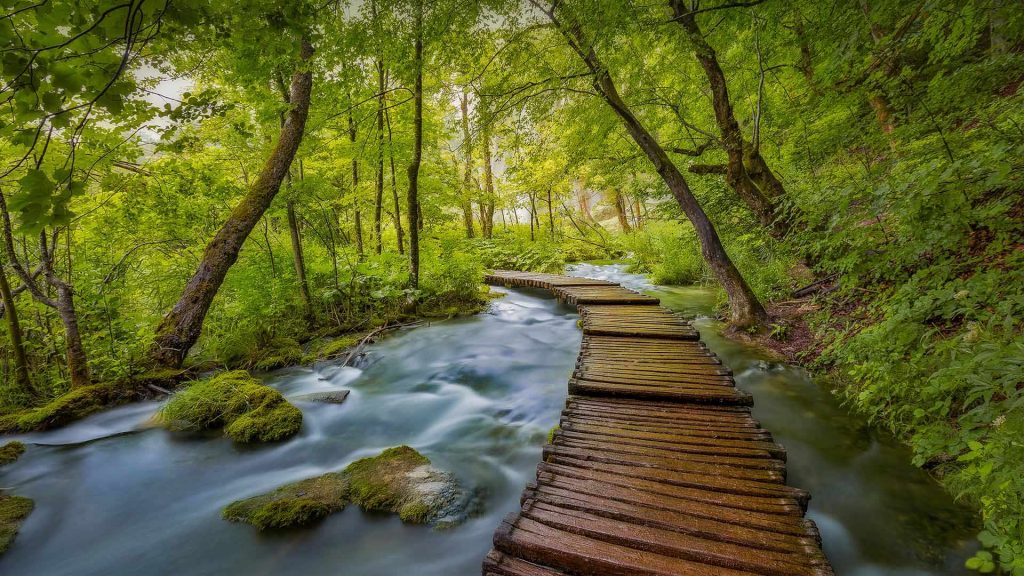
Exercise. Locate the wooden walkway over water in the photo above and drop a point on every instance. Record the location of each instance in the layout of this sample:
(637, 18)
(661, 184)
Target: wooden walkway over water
(657, 468)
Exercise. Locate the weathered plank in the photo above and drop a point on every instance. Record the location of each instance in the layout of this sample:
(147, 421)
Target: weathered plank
(657, 467)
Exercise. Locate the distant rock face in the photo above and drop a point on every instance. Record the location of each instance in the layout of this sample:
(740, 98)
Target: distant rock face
(330, 397)
(398, 480)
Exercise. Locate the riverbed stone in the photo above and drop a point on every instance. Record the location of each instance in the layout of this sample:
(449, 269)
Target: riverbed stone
(328, 397)
(296, 504)
(403, 481)
(13, 511)
(10, 452)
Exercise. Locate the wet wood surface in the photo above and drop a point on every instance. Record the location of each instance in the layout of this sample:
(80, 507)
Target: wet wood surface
(656, 467)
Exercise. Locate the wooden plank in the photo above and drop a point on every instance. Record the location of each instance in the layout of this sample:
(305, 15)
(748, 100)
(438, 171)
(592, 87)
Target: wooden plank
(657, 467)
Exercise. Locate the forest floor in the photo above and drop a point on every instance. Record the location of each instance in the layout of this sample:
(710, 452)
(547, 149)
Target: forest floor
(790, 338)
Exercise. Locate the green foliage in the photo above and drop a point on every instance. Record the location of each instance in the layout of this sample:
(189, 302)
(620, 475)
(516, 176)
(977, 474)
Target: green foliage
(670, 253)
(235, 401)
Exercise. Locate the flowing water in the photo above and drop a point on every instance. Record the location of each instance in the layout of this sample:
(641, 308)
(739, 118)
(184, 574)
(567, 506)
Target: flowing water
(476, 395)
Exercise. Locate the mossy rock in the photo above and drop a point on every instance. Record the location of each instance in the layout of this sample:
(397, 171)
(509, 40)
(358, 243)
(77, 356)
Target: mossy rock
(401, 480)
(297, 504)
(247, 410)
(10, 452)
(74, 405)
(398, 480)
(266, 424)
(13, 511)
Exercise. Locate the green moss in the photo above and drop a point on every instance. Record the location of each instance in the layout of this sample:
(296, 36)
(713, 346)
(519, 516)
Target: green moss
(551, 433)
(10, 452)
(278, 353)
(375, 482)
(337, 346)
(415, 512)
(74, 405)
(401, 480)
(296, 504)
(13, 510)
(264, 424)
(246, 409)
(9, 422)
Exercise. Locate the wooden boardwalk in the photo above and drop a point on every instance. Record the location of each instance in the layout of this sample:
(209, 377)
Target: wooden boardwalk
(657, 467)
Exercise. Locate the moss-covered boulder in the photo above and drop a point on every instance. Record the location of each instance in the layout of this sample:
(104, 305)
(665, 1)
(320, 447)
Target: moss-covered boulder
(296, 504)
(247, 410)
(401, 480)
(10, 452)
(13, 511)
(73, 405)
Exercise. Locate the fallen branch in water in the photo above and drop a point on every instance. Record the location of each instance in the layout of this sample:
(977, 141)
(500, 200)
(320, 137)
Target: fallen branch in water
(368, 337)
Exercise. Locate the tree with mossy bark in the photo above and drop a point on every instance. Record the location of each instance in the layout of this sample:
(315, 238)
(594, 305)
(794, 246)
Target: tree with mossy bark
(181, 327)
(744, 308)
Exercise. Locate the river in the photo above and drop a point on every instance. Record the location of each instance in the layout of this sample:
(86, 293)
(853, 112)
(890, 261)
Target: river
(115, 496)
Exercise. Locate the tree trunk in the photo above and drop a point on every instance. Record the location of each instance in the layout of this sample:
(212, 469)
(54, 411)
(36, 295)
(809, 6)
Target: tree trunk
(378, 202)
(532, 216)
(878, 100)
(180, 328)
(620, 211)
(551, 216)
(21, 375)
(487, 206)
(399, 232)
(300, 264)
(78, 364)
(467, 155)
(412, 198)
(744, 307)
(355, 187)
(757, 199)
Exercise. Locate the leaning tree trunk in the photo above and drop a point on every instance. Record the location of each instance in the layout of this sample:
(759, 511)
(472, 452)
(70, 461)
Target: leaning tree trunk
(744, 307)
(180, 328)
(759, 200)
(412, 199)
